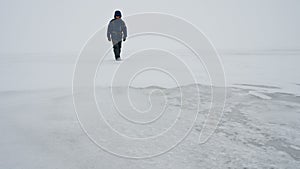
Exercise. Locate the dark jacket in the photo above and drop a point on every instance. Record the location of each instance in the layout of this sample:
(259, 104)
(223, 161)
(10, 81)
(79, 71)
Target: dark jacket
(117, 30)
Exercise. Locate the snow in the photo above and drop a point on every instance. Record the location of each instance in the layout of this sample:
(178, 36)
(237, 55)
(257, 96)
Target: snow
(40, 129)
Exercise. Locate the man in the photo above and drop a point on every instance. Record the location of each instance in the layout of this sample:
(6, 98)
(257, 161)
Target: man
(116, 32)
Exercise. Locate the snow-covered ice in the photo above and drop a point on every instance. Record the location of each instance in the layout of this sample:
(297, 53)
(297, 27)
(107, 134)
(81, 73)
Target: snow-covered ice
(259, 127)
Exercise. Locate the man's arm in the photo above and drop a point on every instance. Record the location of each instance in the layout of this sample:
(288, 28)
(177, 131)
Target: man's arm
(124, 30)
(109, 31)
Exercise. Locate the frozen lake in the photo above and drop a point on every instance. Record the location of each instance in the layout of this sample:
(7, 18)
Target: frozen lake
(259, 127)
(267, 70)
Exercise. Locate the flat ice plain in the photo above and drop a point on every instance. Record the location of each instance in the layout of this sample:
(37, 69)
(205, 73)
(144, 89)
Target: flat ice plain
(260, 126)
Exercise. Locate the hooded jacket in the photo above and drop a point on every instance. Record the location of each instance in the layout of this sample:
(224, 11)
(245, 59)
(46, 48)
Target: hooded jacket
(116, 30)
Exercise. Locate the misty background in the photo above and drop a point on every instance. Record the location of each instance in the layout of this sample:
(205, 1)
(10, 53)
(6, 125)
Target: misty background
(258, 41)
(63, 26)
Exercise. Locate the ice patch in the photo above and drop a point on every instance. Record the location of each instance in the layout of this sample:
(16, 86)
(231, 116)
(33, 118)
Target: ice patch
(260, 95)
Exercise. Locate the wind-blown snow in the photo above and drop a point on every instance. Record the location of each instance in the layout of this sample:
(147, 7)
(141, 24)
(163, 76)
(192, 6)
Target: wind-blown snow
(259, 127)
(39, 129)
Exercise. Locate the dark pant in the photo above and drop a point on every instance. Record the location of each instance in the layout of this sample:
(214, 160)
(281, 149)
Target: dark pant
(117, 49)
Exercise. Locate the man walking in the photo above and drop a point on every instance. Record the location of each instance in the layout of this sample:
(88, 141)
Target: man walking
(116, 32)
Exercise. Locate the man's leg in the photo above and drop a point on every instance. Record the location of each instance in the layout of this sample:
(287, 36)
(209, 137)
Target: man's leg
(117, 49)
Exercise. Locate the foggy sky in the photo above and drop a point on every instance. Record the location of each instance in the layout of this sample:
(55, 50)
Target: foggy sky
(59, 26)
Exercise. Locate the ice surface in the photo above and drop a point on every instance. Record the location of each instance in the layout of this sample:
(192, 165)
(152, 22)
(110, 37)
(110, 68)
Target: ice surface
(39, 129)
(259, 127)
